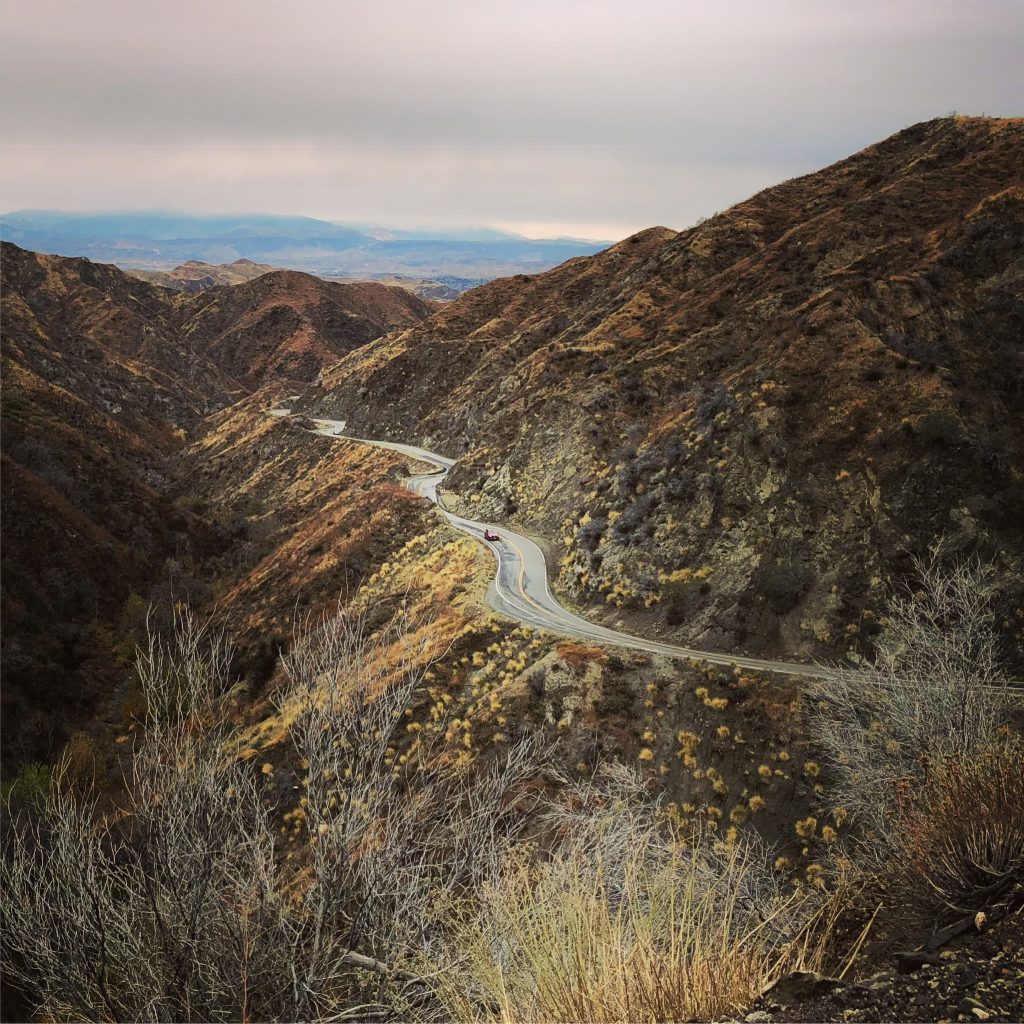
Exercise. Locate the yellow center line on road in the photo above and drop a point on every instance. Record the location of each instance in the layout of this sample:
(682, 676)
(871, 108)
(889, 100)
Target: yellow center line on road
(522, 578)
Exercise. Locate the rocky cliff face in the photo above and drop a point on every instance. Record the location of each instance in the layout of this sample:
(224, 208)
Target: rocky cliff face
(741, 432)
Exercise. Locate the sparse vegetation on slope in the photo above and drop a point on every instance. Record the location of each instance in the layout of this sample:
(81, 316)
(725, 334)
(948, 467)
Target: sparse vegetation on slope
(920, 753)
(187, 905)
(624, 919)
(103, 379)
(361, 864)
(792, 398)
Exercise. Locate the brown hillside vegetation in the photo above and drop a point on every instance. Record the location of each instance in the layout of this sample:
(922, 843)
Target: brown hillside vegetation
(310, 520)
(97, 392)
(104, 378)
(741, 431)
(286, 325)
(196, 276)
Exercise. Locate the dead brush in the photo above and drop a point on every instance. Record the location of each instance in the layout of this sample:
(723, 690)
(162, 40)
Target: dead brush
(932, 692)
(623, 921)
(963, 833)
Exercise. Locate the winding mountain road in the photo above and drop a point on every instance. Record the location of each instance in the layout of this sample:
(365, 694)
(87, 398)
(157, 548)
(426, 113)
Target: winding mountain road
(520, 589)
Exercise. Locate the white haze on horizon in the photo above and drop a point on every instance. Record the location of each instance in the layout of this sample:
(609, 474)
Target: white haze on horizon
(582, 118)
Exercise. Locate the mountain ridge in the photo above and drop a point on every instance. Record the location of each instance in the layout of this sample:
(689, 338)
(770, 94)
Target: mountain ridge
(750, 435)
(790, 397)
(197, 276)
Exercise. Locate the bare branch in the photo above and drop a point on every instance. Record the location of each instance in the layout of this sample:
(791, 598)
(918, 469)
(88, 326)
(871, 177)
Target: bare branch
(931, 692)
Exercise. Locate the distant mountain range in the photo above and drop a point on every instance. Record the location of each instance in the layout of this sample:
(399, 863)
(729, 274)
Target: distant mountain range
(158, 240)
(195, 276)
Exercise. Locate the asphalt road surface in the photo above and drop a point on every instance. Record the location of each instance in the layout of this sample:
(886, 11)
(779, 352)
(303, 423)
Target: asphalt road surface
(520, 589)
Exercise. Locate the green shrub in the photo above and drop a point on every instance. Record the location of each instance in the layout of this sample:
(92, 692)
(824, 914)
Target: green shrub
(940, 428)
(30, 787)
(782, 585)
(80, 762)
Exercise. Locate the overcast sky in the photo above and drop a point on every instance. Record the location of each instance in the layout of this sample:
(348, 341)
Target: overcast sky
(577, 117)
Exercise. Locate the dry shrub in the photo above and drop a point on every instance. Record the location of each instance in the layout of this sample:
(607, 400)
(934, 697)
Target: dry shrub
(186, 906)
(408, 891)
(621, 921)
(80, 764)
(134, 709)
(963, 832)
(392, 841)
(577, 656)
(561, 945)
(933, 692)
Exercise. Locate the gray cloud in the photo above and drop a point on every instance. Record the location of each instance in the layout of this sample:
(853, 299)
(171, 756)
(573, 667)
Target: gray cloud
(542, 112)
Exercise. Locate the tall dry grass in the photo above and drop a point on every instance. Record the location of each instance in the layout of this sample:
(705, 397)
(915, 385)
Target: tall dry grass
(620, 920)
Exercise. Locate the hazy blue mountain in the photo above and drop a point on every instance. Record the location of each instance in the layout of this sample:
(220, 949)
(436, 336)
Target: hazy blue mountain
(160, 237)
(469, 233)
(162, 240)
(161, 225)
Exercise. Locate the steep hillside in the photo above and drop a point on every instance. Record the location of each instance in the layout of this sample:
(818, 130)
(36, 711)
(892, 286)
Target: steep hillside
(196, 276)
(98, 390)
(310, 520)
(739, 433)
(104, 378)
(67, 317)
(287, 325)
